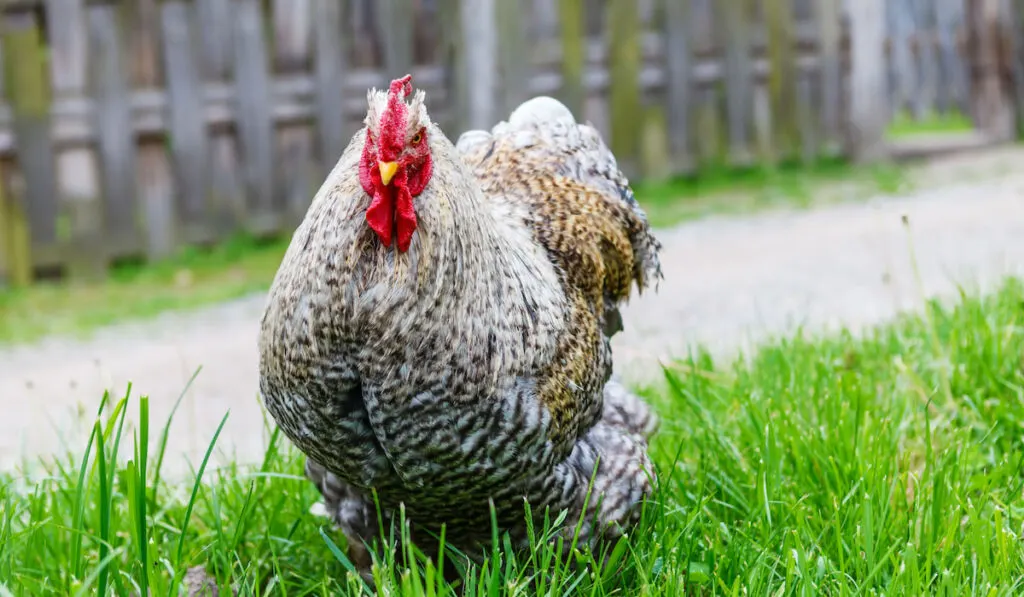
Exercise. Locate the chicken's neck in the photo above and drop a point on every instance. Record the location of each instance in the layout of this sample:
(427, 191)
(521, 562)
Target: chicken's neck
(470, 254)
(461, 243)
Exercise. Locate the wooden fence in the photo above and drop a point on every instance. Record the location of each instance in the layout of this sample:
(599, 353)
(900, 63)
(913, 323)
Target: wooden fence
(927, 72)
(129, 128)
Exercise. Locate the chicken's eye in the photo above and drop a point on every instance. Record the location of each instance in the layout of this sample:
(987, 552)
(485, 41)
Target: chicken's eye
(417, 139)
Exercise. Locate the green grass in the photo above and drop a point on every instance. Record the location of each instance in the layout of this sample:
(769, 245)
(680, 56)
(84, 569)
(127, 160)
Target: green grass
(750, 190)
(193, 278)
(884, 464)
(197, 277)
(905, 125)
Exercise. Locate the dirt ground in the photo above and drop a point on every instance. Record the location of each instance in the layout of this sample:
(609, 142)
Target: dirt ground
(729, 282)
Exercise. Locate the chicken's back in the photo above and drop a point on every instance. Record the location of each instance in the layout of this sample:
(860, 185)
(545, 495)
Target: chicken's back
(582, 208)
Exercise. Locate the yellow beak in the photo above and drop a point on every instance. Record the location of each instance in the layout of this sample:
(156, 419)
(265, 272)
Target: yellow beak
(387, 171)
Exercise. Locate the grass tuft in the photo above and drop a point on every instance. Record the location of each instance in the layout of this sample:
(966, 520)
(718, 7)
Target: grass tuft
(889, 463)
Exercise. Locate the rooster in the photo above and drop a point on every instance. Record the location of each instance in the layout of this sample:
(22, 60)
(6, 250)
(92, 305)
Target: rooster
(437, 333)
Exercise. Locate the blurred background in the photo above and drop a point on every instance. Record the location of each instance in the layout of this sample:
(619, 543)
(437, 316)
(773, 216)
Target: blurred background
(157, 155)
(129, 129)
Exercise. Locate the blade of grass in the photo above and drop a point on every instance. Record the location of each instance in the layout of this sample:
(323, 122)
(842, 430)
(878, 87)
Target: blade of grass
(195, 491)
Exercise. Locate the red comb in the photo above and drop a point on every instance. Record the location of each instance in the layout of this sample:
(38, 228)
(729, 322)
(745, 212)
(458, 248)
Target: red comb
(394, 119)
(403, 85)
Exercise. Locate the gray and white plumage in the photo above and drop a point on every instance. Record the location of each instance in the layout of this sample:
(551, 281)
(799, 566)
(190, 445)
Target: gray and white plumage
(476, 367)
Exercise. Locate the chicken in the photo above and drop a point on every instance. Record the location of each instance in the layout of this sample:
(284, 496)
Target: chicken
(438, 330)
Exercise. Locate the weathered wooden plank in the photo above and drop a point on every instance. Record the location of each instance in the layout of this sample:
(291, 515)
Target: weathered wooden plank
(154, 174)
(678, 69)
(594, 18)
(707, 111)
(77, 174)
(331, 69)
(143, 27)
(734, 23)
(293, 32)
(156, 198)
(868, 110)
(426, 32)
(570, 18)
(1015, 37)
(28, 91)
(808, 97)
(480, 37)
(901, 31)
(702, 26)
(188, 145)
(513, 55)
(255, 127)
(952, 86)
(991, 107)
(782, 80)
(656, 159)
(226, 195)
(624, 92)
(452, 62)
(924, 93)
(214, 20)
(544, 24)
(828, 13)
(65, 20)
(395, 30)
(293, 39)
(708, 114)
(15, 240)
(363, 51)
(113, 124)
(807, 123)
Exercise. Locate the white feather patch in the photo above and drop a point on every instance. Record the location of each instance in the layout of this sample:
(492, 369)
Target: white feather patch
(541, 109)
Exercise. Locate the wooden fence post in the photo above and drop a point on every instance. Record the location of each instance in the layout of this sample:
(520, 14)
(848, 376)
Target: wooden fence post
(516, 65)
(156, 193)
(480, 55)
(573, 41)
(829, 13)
(293, 45)
(83, 237)
(1015, 33)
(991, 107)
(679, 86)
(254, 118)
(624, 63)
(782, 77)
(331, 68)
(214, 19)
(111, 93)
(869, 113)
(188, 131)
(29, 218)
(395, 23)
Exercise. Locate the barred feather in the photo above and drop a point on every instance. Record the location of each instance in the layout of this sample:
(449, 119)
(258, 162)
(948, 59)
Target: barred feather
(473, 369)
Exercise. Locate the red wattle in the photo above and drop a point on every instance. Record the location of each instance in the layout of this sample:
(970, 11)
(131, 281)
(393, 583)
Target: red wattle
(379, 215)
(406, 216)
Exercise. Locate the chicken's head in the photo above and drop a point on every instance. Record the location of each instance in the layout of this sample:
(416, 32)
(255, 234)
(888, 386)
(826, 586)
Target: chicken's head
(395, 166)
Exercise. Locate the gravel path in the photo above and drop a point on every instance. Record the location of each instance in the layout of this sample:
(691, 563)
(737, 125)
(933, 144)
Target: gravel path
(729, 281)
